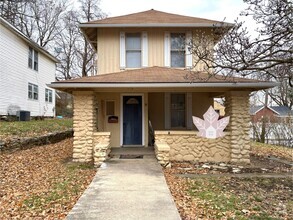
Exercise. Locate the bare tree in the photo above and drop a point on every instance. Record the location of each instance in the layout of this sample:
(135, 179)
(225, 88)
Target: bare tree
(238, 53)
(66, 46)
(89, 11)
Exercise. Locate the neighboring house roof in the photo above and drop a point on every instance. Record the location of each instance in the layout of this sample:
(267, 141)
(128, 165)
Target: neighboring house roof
(28, 40)
(281, 111)
(160, 77)
(150, 18)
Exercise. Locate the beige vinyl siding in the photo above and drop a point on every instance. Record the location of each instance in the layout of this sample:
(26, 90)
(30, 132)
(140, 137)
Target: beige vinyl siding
(109, 46)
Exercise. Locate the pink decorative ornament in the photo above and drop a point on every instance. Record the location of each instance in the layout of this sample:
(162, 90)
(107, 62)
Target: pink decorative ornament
(211, 127)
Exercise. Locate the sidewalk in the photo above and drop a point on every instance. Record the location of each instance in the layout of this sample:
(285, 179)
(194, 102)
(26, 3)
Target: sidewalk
(127, 189)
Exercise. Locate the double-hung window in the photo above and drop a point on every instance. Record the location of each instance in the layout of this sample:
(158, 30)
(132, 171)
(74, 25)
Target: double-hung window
(48, 95)
(33, 91)
(133, 50)
(33, 59)
(177, 49)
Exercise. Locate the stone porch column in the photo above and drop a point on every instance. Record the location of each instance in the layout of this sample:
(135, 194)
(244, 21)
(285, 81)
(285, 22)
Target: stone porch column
(84, 119)
(237, 107)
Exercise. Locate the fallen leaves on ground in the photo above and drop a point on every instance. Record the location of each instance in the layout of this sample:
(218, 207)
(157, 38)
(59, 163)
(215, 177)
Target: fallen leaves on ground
(266, 150)
(41, 182)
(227, 197)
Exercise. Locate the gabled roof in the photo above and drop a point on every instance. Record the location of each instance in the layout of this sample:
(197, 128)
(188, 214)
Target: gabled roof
(154, 18)
(147, 19)
(160, 77)
(27, 40)
(279, 110)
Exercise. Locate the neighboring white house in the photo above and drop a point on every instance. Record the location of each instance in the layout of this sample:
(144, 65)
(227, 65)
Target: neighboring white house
(25, 69)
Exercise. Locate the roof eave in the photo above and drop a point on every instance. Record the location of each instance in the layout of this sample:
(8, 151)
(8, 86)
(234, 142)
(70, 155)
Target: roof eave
(28, 40)
(252, 86)
(87, 25)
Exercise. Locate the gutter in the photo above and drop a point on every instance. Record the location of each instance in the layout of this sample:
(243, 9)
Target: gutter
(158, 25)
(264, 85)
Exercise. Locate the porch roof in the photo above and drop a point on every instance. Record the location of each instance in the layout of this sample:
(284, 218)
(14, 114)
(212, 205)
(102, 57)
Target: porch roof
(161, 77)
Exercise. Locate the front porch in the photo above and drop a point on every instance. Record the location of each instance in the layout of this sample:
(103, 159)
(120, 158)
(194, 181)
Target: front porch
(95, 136)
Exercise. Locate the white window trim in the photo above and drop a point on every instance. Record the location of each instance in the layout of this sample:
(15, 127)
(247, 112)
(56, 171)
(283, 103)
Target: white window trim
(34, 52)
(122, 51)
(144, 50)
(33, 86)
(48, 90)
(167, 49)
(188, 58)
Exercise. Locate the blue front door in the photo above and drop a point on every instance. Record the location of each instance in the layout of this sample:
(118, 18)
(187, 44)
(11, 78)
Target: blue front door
(132, 120)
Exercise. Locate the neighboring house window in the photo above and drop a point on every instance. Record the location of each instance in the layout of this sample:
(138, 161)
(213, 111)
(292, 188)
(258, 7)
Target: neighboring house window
(33, 59)
(33, 91)
(48, 95)
(178, 110)
(177, 50)
(30, 57)
(133, 50)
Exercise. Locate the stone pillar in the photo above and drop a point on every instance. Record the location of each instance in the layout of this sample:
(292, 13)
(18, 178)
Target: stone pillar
(237, 107)
(83, 125)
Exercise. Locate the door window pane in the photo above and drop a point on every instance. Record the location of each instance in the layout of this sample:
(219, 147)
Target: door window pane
(178, 112)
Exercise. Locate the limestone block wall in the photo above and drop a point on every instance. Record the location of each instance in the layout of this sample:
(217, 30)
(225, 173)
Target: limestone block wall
(101, 144)
(187, 146)
(83, 126)
(162, 152)
(237, 106)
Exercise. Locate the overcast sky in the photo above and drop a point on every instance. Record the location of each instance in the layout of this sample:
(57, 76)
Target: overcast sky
(210, 9)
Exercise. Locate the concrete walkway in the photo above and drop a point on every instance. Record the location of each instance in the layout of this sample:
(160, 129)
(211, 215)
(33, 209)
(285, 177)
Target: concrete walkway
(127, 189)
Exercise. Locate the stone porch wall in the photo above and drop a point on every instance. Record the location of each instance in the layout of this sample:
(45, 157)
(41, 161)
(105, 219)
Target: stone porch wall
(83, 126)
(101, 147)
(187, 146)
(237, 106)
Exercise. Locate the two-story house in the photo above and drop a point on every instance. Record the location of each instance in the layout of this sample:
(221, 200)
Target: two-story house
(25, 69)
(143, 61)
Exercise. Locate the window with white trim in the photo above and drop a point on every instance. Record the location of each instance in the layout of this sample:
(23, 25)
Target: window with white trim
(133, 50)
(177, 49)
(33, 91)
(33, 59)
(48, 95)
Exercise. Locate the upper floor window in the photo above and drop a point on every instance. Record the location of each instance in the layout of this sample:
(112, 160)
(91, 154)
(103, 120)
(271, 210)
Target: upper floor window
(177, 49)
(33, 91)
(33, 59)
(48, 95)
(133, 50)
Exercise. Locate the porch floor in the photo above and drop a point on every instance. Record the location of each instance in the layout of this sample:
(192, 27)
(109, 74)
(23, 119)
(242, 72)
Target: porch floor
(145, 151)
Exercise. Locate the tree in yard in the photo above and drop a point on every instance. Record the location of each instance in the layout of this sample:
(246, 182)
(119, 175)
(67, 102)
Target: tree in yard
(267, 56)
(89, 10)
